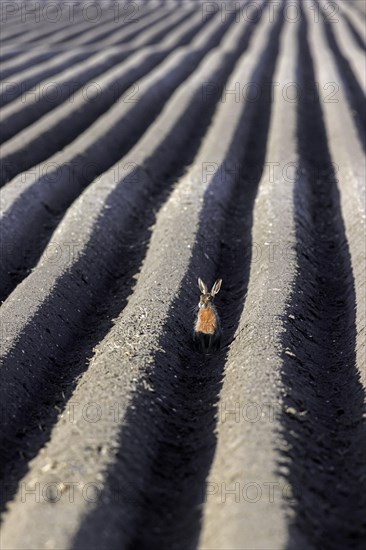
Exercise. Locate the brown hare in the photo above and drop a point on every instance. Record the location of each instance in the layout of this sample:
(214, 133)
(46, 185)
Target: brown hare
(207, 330)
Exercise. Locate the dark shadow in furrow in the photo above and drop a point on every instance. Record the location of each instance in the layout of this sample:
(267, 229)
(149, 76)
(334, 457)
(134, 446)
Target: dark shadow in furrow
(16, 35)
(46, 55)
(31, 429)
(26, 45)
(324, 400)
(40, 58)
(157, 485)
(10, 55)
(119, 16)
(23, 118)
(118, 145)
(150, 13)
(43, 57)
(12, 91)
(79, 32)
(29, 29)
(355, 96)
(47, 17)
(354, 31)
(164, 31)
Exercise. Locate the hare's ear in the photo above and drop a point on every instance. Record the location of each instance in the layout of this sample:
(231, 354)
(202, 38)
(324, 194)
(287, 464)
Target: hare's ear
(202, 286)
(216, 287)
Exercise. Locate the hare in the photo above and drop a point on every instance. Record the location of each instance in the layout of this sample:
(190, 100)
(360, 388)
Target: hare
(207, 330)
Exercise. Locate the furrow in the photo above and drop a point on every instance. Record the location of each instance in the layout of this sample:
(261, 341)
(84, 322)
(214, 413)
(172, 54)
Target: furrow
(23, 35)
(146, 172)
(211, 144)
(357, 39)
(323, 420)
(60, 43)
(38, 53)
(41, 27)
(62, 177)
(245, 483)
(355, 57)
(32, 58)
(12, 51)
(28, 60)
(118, 87)
(168, 506)
(189, 223)
(29, 11)
(350, 168)
(354, 92)
(30, 107)
(21, 83)
(155, 13)
(356, 22)
(85, 30)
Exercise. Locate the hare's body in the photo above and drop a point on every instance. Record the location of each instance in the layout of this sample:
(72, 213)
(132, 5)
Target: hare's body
(207, 330)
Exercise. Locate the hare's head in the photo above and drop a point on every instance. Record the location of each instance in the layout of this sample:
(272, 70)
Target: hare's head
(206, 297)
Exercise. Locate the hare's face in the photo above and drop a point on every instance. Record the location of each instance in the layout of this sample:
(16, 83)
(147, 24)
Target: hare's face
(207, 297)
(205, 301)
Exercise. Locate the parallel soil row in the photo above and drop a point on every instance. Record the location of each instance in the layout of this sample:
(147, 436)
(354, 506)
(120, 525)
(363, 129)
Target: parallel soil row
(214, 143)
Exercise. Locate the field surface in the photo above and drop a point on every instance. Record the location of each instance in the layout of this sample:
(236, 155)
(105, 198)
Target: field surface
(143, 145)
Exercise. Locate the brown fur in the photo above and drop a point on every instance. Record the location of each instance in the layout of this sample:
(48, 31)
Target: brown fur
(207, 330)
(206, 321)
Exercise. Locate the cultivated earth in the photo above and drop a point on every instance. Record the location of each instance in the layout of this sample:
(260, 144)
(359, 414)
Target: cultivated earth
(144, 145)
